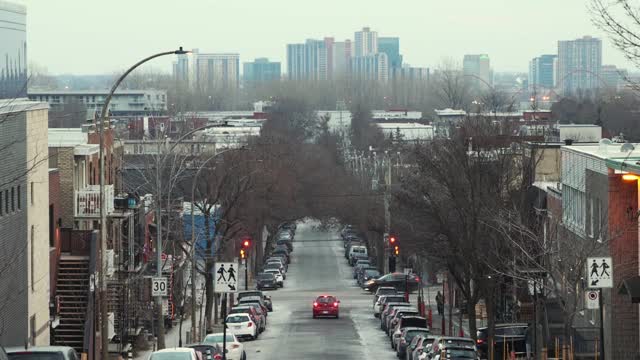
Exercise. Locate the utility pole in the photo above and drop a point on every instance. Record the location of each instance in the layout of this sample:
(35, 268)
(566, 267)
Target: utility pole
(160, 315)
(387, 212)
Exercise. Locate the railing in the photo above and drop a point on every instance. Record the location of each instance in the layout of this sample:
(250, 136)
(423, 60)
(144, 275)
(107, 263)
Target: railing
(86, 202)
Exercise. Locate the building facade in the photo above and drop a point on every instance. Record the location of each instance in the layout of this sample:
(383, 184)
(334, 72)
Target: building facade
(123, 102)
(409, 73)
(579, 65)
(341, 62)
(215, 71)
(261, 70)
(391, 47)
(370, 67)
(24, 227)
(542, 71)
(366, 42)
(613, 77)
(296, 62)
(13, 50)
(478, 68)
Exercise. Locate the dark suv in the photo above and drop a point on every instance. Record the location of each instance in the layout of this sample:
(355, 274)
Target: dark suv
(514, 335)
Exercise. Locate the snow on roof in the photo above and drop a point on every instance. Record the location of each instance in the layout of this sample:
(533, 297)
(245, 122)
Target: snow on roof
(450, 112)
(9, 106)
(604, 151)
(67, 137)
(403, 126)
(543, 185)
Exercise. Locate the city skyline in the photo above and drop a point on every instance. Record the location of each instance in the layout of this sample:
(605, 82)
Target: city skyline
(446, 32)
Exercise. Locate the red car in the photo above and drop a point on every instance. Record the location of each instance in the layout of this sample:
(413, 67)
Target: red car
(326, 305)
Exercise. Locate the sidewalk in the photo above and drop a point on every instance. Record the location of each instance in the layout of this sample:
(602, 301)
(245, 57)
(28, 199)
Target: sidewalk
(430, 292)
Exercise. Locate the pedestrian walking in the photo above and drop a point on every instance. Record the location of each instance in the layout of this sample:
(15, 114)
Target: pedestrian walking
(440, 303)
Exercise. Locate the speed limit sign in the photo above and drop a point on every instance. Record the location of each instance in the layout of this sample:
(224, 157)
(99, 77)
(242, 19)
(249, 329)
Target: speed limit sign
(159, 286)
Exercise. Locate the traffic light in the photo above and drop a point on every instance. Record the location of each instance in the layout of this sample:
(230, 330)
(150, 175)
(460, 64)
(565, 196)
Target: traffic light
(396, 250)
(392, 240)
(246, 243)
(243, 254)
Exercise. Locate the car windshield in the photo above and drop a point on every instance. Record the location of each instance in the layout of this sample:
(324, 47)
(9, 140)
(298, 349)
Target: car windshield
(237, 318)
(413, 333)
(171, 355)
(217, 339)
(386, 291)
(36, 355)
(372, 273)
(359, 250)
(248, 294)
(394, 299)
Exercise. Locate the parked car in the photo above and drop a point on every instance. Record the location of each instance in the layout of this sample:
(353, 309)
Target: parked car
(42, 353)
(388, 312)
(235, 349)
(359, 264)
(359, 270)
(277, 274)
(265, 298)
(275, 266)
(279, 261)
(208, 351)
(256, 313)
(356, 249)
(397, 280)
(242, 326)
(418, 346)
(514, 335)
(455, 352)
(282, 259)
(405, 322)
(377, 307)
(406, 336)
(384, 290)
(441, 343)
(283, 253)
(254, 300)
(266, 281)
(326, 305)
(183, 353)
(392, 321)
(285, 242)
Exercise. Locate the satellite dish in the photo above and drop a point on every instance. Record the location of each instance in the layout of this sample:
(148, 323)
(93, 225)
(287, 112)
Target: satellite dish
(605, 142)
(627, 147)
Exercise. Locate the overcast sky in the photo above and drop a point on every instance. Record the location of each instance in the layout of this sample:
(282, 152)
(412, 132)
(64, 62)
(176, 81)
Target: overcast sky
(104, 36)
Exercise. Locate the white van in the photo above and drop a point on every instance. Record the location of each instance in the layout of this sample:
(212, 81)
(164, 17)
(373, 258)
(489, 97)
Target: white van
(358, 249)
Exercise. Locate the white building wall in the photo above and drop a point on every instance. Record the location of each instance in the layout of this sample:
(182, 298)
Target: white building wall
(37, 208)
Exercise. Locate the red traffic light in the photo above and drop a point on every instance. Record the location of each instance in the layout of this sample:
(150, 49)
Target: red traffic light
(246, 243)
(392, 240)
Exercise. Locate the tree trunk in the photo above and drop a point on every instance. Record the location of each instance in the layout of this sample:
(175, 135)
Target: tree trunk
(491, 323)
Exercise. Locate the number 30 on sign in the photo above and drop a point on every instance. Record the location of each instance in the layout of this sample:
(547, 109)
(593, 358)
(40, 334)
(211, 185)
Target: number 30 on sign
(159, 286)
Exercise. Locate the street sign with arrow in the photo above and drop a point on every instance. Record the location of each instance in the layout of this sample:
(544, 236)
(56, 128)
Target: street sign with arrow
(226, 280)
(600, 272)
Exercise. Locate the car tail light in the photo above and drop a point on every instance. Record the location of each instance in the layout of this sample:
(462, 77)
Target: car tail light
(217, 357)
(480, 341)
(335, 304)
(315, 304)
(250, 324)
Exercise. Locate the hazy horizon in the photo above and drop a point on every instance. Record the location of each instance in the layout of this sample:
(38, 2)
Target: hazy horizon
(428, 32)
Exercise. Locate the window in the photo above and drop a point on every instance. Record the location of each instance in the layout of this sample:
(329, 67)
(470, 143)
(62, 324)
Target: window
(19, 200)
(13, 199)
(6, 201)
(1, 212)
(52, 226)
(32, 193)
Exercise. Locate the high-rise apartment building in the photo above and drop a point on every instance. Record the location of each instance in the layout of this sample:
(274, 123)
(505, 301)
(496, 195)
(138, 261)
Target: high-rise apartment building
(296, 62)
(308, 61)
(261, 70)
(391, 47)
(370, 67)
(477, 68)
(542, 70)
(342, 53)
(328, 45)
(13, 50)
(613, 77)
(366, 42)
(579, 64)
(207, 72)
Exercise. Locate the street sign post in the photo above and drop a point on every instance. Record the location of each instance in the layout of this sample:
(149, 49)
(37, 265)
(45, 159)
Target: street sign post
(226, 277)
(600, 272)
(592, 299)
(159, 286)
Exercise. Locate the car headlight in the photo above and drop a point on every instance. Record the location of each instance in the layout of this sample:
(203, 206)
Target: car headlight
(370, 282)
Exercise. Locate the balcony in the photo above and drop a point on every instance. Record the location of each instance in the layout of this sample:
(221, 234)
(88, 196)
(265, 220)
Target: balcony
(86, 203)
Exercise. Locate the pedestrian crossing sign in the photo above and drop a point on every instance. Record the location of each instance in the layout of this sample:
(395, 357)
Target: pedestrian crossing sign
(600, 272)
(226, 275)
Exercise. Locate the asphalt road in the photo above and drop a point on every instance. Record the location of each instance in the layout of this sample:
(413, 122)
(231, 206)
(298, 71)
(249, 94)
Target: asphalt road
(318, 267)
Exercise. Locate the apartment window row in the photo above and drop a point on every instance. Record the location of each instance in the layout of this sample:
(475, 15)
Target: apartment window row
(574, 208)
(10, 200)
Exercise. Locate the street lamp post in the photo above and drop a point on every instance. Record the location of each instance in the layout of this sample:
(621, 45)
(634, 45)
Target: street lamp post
(104, 323)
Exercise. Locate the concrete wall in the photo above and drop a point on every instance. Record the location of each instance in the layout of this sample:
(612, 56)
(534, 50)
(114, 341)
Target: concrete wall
(547, 164)
(37, 207)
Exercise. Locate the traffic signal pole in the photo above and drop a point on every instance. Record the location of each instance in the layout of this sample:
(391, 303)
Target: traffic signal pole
(246, 273)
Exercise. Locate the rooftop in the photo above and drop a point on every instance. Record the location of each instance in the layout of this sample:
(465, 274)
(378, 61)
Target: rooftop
(387, 125)
(605, 149)
(67, 137)
(450, 112)
(8, 106)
